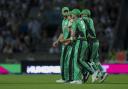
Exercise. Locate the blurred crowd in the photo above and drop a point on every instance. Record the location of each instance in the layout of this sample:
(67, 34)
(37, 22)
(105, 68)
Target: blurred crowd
(24, 24)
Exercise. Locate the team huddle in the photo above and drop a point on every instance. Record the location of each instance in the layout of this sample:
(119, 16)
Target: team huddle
(80, 48)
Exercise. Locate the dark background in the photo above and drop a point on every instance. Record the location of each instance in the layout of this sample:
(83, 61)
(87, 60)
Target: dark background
(28, 28)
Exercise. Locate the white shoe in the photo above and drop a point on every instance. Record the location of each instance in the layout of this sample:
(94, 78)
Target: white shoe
(76, 82)
(94, 76)
(60, 81)
(103, 77)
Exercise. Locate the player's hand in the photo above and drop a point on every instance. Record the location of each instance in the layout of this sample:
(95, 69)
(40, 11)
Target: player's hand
(55, 44)
(67, 42)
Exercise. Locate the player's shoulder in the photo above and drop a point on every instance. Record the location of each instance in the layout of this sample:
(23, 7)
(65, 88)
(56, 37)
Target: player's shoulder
(80, 20)
(87, 18)
(90, 20)
(84, 18)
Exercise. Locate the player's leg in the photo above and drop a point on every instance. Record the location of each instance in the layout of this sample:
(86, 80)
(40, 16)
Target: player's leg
(67, 68)
(76, 74)
(63, 54)
(94, 46)
(102, 75)
(83, 63)
(95, 56)
(86, 73)
(62, 58)
(97, 62)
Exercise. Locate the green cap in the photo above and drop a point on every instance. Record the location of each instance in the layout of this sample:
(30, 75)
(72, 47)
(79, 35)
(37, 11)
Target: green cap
(65, 9)
(76, 11)
(86, 12)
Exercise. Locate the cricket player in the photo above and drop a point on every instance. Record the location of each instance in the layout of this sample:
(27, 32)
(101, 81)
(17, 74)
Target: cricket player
(80, 38)
(63, 35)
(69, 67)
(75, 73)
(93, 44)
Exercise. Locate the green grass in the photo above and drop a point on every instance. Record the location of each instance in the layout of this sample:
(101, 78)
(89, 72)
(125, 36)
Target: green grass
(48, 82)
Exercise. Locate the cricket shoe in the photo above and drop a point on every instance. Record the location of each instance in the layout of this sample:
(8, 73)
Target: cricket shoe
(94, 76)
(103, 77)
(76, 82)
(85, 77)
(60, 81)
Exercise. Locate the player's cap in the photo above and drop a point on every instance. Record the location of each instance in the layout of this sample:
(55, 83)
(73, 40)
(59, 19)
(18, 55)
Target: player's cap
(76, 12)
(65, 9)
(86, 12)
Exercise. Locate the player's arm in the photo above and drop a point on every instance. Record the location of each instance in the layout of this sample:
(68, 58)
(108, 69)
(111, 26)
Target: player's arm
(81, 26)
(68, 40)
(60, 39)
(91, 24)
(91, 29)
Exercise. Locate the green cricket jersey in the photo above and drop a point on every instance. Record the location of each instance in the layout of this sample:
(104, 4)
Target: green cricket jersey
(90, 25)
(80, 33)
(93, 44)
(65, 28)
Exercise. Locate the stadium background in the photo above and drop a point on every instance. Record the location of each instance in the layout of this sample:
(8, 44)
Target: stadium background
(28, 28)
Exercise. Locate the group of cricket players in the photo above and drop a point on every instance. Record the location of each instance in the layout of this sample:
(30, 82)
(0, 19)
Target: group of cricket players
(80, 48)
